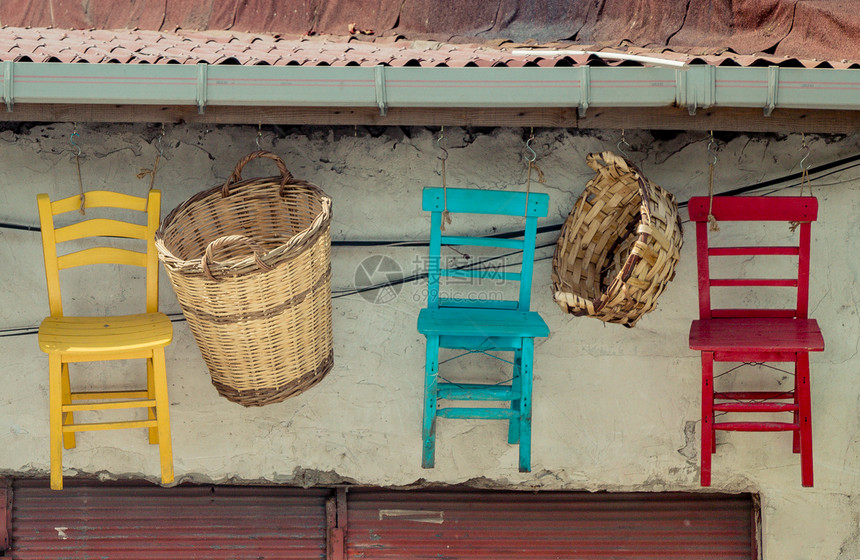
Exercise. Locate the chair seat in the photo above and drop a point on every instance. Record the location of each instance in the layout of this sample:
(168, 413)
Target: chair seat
(109, 335)
(758, 334)
(463, 321)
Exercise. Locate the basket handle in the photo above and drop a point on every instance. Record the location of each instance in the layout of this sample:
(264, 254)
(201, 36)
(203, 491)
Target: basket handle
(228, 239)
(236, 176)
(609, 158)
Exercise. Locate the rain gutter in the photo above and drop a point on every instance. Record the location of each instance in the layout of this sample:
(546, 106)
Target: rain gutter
(202, 85)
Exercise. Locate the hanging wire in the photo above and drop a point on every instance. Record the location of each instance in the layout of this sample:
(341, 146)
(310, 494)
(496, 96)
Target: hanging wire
(74, 133)
(258, 140)
(158, 141)
(804, 169)
(533, 155)
(825, 170)
(446, 216)
(439, 144)
(144, 171)
(531, 163)
(711, 145)
(712, 221)
(804, 146)
(804, 176)
(72, 139)
(623, 142)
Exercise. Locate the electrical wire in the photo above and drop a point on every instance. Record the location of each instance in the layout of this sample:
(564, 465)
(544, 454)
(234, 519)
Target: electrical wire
(831, 168)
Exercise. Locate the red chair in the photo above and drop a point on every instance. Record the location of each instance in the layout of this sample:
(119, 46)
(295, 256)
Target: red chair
(757, 336)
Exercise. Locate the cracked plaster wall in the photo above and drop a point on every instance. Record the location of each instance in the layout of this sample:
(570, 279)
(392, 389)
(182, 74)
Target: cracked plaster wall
(614, 408)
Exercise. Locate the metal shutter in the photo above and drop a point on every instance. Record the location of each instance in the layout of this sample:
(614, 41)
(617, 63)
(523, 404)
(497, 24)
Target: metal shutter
(112, 521)
(499, 525)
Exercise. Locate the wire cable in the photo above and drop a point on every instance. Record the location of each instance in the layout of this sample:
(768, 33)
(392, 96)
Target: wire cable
(831, 168)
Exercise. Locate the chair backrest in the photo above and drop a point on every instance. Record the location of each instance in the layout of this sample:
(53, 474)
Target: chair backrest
(99, 230)
(801, 210)
(530, 206)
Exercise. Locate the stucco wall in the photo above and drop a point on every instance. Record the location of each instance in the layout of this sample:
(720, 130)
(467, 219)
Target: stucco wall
(614, 408)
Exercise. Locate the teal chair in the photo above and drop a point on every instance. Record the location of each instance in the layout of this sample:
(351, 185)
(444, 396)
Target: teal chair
(481, 325)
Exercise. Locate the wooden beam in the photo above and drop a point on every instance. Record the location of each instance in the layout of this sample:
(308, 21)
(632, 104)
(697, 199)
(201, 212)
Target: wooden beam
(656, 118)
(728, 119)
(324, 116)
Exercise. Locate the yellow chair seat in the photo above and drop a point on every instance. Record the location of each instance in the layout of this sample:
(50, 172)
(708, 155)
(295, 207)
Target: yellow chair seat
(109, 335)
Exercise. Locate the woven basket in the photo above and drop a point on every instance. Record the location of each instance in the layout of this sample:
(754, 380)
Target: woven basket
(618, 247)
(250, 263)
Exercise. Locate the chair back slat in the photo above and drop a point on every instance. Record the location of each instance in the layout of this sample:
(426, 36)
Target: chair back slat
(97, 231)
(798, 210)
(752, 251)
(486, 303)
(737, 282)
(101, 255)
(482, 242)
(100, 227)
(754, 208)
(99, 199)
(480, 201)
(728, 313)
(529, 206)
(482, 274)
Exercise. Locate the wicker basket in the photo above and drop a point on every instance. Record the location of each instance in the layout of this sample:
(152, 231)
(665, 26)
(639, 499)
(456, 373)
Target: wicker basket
(618, 247)
(250, 264)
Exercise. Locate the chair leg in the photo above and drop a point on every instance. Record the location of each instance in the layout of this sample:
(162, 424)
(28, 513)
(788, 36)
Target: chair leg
(526, 405)
(708, 439)
(69, 418)
(795, 435)
(55, 403)
(431, 373)
(516, 387)
(805, 401)
(162, 414)
(150, 393)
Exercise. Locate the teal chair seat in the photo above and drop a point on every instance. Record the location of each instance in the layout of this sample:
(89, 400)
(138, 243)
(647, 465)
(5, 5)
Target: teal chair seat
(490, 324)
(481, 325)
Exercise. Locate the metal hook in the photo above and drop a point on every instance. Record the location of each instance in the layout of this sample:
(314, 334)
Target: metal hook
(623, 141)
(259, 135)
(530, 149)
(72, 139)
(439, 143)
(804, 146)
(158, 141)
(711, 144)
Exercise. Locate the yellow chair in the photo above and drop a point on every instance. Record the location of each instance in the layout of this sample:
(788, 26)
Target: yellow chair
(90, 339)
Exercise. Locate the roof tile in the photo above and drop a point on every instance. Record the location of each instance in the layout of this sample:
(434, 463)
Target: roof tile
(219, 47)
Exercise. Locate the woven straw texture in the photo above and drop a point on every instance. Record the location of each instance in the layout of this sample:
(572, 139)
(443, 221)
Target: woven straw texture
(618, 248)
(250, 262)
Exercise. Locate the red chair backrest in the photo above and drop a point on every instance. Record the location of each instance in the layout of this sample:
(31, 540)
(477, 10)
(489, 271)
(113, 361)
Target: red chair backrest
(799, 209)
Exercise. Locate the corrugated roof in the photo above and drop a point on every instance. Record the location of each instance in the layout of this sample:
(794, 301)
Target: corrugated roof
(227, 47)
(811, 31)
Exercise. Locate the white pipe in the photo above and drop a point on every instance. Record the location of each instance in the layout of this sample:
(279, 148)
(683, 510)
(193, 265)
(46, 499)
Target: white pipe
(617, 56)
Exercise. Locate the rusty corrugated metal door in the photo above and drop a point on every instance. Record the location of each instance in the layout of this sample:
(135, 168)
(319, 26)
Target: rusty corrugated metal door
(499, 525)
(5, 513)
(114, 521)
